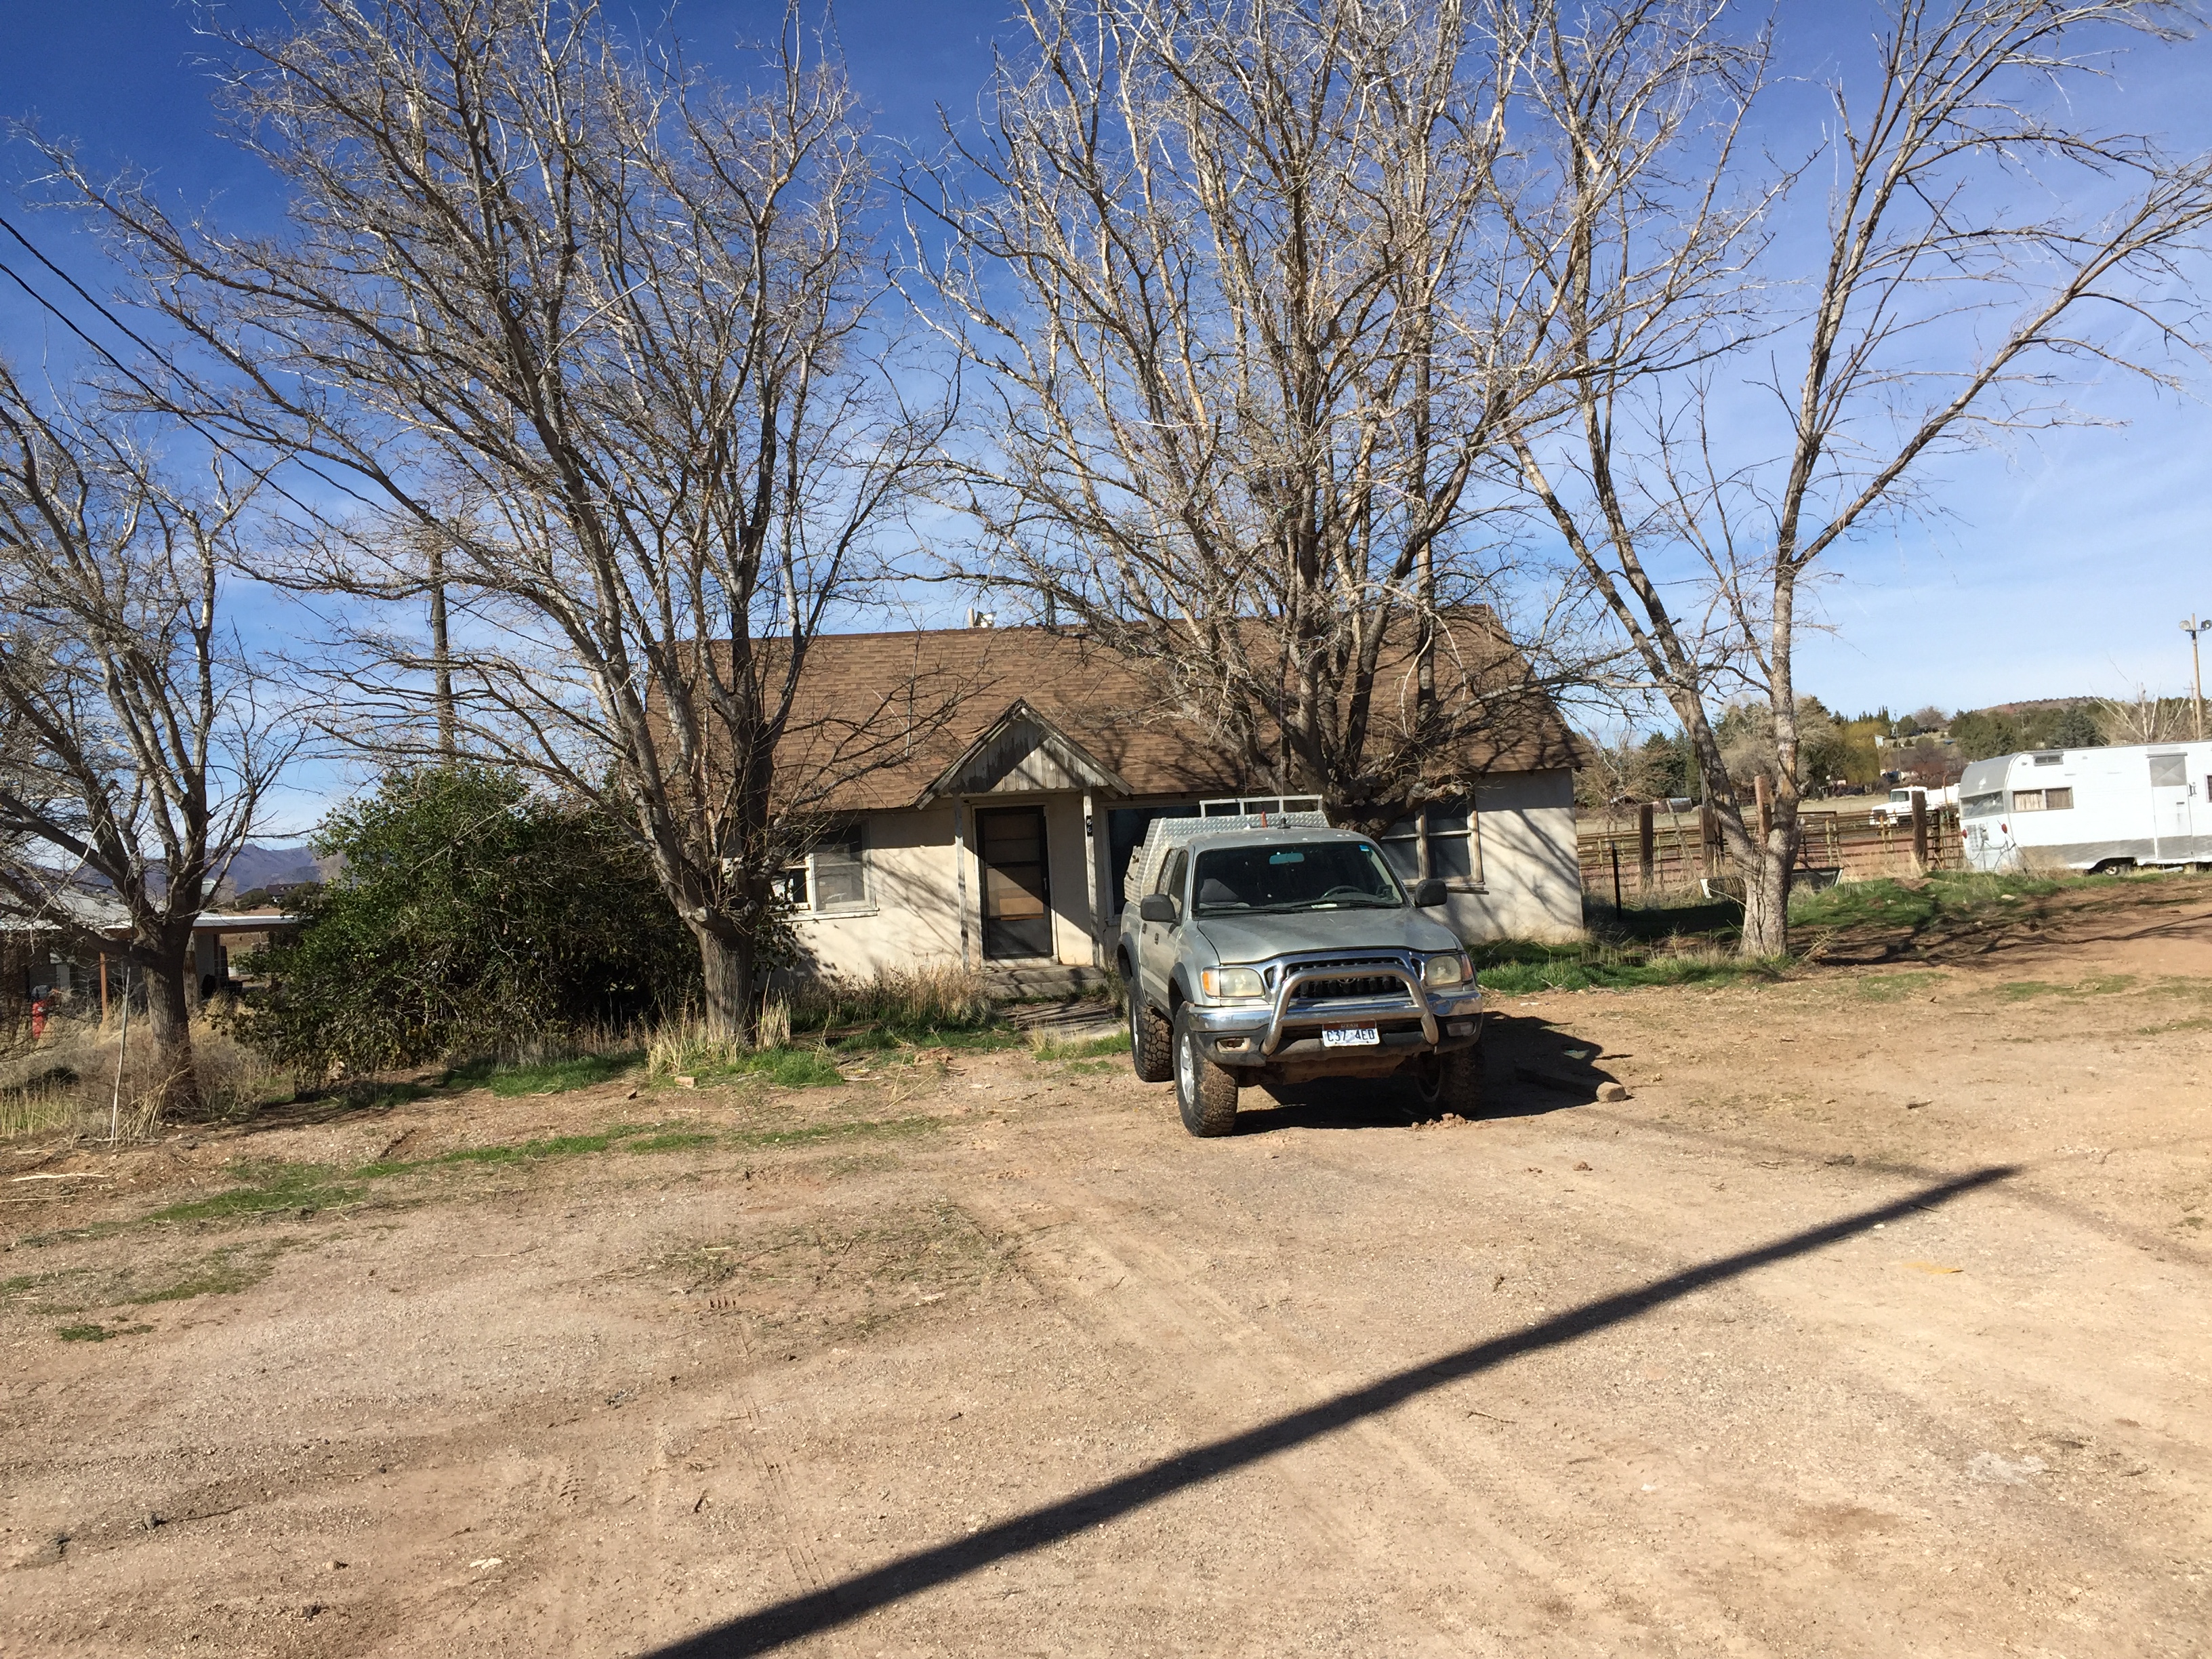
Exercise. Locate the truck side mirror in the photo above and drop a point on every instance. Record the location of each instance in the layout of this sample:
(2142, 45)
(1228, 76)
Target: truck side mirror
(1158, 907)
(1428, 895)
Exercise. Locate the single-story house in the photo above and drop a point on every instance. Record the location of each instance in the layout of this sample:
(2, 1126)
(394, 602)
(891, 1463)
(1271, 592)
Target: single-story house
(998, 835)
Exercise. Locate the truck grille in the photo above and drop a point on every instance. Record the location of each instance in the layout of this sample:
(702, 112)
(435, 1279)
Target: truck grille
(1350, 984)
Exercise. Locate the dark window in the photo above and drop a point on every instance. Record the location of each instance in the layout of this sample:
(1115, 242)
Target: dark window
(832, 876)
(2049, 760)
(841, 871)
(1125, 834)
(1449, 831)
(1171, 871)
(1983, 806)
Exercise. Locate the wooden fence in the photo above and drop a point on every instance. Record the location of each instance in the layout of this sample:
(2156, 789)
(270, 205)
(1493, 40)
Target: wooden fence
(1685, 848)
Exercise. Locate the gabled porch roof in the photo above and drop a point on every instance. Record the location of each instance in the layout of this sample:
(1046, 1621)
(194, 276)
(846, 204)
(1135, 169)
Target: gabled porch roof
(1019, 752)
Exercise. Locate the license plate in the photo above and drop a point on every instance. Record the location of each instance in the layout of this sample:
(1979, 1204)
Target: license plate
(1349, 1036)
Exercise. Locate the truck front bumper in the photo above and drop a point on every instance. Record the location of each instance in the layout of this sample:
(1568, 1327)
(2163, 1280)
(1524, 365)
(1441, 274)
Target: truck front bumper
(1257, 1034)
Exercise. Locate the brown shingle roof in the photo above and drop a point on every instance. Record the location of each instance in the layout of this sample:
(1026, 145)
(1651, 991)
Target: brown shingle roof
(951, 686)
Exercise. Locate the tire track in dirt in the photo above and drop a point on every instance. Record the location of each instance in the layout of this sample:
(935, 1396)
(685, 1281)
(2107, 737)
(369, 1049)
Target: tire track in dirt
(1426, 1477)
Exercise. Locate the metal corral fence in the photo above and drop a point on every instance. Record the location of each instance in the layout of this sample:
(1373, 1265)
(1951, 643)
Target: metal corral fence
(1662, 851)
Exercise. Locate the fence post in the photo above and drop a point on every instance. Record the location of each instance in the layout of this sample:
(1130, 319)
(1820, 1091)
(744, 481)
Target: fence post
(1920, 832)
(1646, 847)
(1613, 849)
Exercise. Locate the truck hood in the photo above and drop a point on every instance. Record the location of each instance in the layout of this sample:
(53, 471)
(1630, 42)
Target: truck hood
(1255, 938)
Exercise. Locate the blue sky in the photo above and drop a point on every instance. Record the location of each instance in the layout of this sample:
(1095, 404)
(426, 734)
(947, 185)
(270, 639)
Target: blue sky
(2062, 568)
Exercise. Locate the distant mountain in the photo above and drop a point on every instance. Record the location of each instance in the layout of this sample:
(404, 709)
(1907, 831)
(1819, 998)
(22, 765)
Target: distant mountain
(284, 867)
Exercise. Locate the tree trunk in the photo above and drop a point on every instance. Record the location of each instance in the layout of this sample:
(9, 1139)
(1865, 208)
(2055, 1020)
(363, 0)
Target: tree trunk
(726, 971)
(1767, 882)
(176, 1090)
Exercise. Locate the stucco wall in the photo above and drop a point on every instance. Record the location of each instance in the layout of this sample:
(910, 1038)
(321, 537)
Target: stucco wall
(1531, 884)
(914, 921)
(1532, 880)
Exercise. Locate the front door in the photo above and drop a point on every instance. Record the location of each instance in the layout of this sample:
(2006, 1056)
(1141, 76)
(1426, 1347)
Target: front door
(1017, 895)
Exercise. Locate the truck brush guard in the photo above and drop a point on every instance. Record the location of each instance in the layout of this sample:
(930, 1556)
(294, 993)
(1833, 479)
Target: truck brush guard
(1369, 975)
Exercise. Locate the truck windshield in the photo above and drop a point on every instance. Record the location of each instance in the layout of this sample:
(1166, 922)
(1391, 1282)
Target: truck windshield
(1328, 875)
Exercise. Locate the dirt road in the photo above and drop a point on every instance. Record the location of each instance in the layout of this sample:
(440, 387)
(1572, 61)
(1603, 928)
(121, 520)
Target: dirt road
(1875, 1323)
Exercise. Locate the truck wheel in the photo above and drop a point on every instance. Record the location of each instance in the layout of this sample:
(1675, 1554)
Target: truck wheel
(1206, 1093)
(1150, 1043)
(1450, 1082)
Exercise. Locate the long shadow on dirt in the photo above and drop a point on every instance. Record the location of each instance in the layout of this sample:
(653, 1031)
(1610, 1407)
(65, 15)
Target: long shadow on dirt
(1533, 1067)
(853, 1597)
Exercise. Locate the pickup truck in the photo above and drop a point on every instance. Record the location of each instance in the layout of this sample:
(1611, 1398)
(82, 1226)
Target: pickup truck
(1273, 955)
(1898, 809)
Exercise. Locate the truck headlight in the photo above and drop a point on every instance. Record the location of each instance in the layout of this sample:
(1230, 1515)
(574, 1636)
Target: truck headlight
(1449, 969)
(1230, 984)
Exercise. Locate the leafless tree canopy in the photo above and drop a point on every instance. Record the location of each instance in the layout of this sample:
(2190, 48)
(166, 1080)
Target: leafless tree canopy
(135, 749)
(599, 339)
(1237, 281)
(1979, 252)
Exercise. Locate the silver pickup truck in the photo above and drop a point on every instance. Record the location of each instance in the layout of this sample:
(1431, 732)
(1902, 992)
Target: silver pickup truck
(1272, 955)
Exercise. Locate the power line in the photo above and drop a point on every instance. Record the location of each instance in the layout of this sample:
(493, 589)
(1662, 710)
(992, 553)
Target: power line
(136, 379)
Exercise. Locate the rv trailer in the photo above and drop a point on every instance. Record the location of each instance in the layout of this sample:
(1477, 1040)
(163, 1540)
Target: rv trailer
(2089, 809)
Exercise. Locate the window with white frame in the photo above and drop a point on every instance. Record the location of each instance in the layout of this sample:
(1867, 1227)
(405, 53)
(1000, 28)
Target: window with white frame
(1439, 841)
(833, 877)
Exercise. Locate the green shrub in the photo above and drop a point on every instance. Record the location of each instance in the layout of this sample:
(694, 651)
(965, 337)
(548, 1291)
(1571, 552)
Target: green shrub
(471, 913)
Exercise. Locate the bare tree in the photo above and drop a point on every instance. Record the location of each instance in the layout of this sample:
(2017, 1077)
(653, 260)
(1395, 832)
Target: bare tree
(1936, 314)
(2143, 719)
(1230, 274)
(598, 342)
(140, 744)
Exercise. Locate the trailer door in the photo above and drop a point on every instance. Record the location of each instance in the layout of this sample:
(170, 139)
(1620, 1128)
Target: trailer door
(2169, 805)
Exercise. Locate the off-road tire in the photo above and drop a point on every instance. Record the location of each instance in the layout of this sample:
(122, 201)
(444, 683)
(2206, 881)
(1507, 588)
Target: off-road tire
(1205, 1094)
(1151, 1045)
(1450, 1083)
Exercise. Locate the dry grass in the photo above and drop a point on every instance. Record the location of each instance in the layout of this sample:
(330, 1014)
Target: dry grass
(67, 1083)
(941, 998)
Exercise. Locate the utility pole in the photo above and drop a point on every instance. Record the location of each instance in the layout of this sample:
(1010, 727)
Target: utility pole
(2193, 627)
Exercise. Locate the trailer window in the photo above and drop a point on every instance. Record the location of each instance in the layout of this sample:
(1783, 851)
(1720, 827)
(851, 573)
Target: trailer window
(1983, 806)
(2042, 800)
(2049, 760)
(2169, 771)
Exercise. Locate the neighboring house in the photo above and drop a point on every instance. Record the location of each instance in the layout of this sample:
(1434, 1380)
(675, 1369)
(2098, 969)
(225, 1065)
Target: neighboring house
(999, 838)
(38, 963)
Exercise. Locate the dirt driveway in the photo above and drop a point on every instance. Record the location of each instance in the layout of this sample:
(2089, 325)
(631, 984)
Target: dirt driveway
(1876, 1321)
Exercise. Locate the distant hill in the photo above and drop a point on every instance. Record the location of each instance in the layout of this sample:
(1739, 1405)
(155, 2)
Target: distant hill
(284, 867)
(2031, 705)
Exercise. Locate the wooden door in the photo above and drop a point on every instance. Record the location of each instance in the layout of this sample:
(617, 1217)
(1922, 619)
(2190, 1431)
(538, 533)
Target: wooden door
(1016, 894)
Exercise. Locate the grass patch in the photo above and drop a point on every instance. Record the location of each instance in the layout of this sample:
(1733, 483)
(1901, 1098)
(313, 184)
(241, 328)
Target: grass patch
(1045, 1048)
(226, 1273)
(675, 1141)
(806, 1135)
(2099, 985)
(1895, 987)
(508, 1078)
(1944, 895)
(274, 1187)
(1522, 967)
(98, 1333)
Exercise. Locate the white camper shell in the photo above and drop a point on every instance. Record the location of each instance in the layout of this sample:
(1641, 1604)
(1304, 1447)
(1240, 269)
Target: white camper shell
(2089, 809)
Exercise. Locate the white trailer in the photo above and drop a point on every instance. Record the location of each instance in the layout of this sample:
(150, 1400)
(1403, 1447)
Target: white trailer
(2089, 809)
